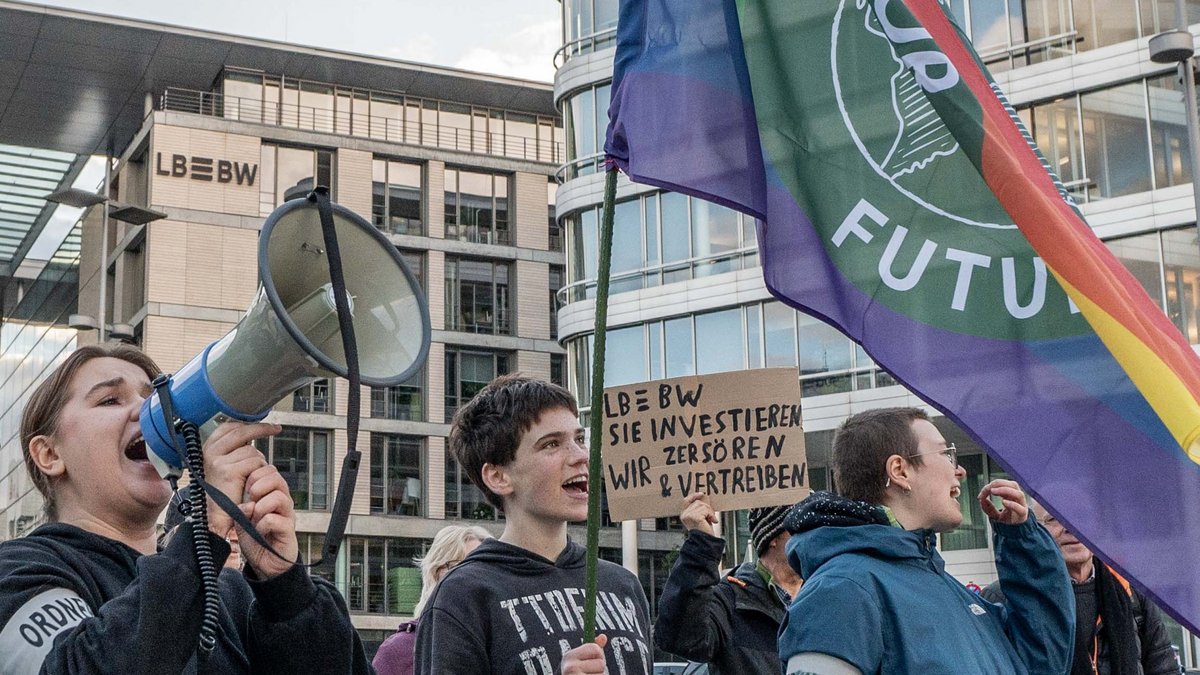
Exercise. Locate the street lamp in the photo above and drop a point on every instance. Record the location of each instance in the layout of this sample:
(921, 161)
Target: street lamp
(127, 213)
(1178, 46)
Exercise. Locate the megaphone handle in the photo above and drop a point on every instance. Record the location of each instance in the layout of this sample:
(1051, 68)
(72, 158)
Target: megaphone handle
(345, 493)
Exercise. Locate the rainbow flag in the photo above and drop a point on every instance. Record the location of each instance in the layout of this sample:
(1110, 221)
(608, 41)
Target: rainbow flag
(900, 199)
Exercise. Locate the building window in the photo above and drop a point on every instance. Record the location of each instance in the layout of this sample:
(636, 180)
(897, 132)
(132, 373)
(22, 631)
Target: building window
(463, 499)
(659, 239)
(311, 549)
(556, 284)
(477, 207)
(1167, 265)
(469, 371)
(302, 457)
(558, 371)
(404, 401)
(415, 261)
(477, 296)
(396, 197)
(556, 228)
(315, 398)
(284, 168)
(382, 577)
(396, 475)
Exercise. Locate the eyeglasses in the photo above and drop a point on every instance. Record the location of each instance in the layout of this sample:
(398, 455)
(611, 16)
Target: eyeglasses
(950, 452)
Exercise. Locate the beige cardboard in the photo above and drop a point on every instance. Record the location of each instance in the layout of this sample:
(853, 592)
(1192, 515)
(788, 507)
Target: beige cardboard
(745, 447)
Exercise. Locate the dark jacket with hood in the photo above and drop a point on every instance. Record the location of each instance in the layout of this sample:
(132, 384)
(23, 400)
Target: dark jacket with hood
(73, 602)
(504, 609)
(1148, 641)
(878, 597)
(730, 623)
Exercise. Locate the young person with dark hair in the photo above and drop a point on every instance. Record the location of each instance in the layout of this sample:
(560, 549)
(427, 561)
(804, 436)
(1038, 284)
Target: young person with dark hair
(877, 598)
(89, 593)
(515, 604)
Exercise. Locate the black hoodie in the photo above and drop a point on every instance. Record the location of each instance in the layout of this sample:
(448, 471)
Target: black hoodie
(75, 602)
(507, 610)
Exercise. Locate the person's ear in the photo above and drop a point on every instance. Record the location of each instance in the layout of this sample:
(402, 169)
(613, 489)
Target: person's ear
(496, 478)
(899, 472)
(45, 456)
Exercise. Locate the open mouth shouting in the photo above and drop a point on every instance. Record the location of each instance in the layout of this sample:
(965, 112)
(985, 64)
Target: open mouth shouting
(136, 449)
(577, 486)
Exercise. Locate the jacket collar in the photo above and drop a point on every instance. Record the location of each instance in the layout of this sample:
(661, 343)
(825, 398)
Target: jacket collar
(752, 594)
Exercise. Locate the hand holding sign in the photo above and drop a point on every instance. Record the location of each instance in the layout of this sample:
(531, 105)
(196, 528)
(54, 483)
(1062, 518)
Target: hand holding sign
(698, 514)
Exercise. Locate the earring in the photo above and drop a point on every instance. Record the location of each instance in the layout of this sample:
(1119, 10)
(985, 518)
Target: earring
(888, 484)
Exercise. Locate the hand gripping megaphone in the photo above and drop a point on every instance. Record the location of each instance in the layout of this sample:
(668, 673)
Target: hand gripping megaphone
(290, 337)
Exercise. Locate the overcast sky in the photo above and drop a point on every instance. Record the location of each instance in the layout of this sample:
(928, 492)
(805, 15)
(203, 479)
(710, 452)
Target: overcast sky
(506, 37)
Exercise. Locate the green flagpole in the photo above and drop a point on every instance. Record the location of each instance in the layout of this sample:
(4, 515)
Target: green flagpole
(595, 471)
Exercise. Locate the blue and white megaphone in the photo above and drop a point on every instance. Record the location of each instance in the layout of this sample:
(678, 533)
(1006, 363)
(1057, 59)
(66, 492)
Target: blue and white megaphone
(290, 336)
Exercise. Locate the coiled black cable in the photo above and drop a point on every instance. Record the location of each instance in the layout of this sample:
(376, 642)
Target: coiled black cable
(198, 510)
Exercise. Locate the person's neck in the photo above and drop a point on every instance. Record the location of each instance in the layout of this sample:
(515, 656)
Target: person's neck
(907, 517)
(782, 574)
(545, 539)
(1081, 572)
(140, 536)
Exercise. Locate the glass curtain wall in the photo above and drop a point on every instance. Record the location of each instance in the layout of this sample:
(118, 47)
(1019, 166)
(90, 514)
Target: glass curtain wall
(1010, 34)
(396, 197)
(1115, 141)
(659, 238)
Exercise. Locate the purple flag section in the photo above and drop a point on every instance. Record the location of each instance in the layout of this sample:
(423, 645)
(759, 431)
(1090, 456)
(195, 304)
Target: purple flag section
(1038, 389)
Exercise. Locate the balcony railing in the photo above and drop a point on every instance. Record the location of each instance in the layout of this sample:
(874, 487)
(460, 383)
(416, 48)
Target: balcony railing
(356, 123)
(585, 45)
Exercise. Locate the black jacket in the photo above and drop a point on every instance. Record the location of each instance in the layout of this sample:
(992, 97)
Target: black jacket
(1152, 640)
(73, 602)
(507, 610)
(731, 625)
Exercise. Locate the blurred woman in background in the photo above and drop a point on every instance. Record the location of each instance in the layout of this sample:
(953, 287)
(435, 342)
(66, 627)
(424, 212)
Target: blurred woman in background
(450, 546)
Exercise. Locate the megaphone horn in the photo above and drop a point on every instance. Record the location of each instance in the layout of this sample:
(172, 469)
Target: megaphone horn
(290, 335)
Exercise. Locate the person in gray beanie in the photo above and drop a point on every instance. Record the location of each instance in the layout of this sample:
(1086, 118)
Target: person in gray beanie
(729, 622)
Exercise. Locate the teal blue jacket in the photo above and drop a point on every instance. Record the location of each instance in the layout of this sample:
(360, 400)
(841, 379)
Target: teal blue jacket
(878, 597)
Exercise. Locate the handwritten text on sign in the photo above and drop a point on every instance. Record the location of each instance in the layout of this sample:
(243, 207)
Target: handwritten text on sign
(736, 436)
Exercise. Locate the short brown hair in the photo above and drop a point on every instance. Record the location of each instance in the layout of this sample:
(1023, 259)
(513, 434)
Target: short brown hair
(40, 417)
(862, 445)
(488, 428)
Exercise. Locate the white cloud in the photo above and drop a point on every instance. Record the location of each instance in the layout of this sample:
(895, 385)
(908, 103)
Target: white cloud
(527, 53)
(421, 48)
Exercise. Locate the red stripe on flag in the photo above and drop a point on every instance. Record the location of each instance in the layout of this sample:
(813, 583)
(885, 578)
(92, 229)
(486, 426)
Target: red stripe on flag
(1062, 239)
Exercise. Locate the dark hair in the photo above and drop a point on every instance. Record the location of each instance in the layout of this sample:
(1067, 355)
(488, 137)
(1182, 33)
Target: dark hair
(862, 445)
(40, 417)
(488, 428)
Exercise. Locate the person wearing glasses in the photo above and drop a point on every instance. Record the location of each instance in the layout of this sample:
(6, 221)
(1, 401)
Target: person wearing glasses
(877, 598)
(450, 546)
(1117, 629)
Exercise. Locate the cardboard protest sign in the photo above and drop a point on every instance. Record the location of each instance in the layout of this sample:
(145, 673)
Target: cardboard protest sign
(736, 436)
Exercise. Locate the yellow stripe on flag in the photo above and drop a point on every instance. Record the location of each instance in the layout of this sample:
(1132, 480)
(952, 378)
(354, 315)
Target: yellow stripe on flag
(1154, 379)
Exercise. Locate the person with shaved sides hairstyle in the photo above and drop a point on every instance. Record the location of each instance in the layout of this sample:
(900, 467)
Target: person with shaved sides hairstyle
(877, 597)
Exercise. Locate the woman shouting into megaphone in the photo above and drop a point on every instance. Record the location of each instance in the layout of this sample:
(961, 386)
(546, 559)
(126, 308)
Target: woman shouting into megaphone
(89, 592)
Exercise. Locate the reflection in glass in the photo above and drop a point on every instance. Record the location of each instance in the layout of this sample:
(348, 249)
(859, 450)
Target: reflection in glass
(1182, 278)
(1115, 147)
(719, 341)
(679, 346)
(1141, 256)
(1168, 132)
(822, 347)
(624, 356)
(780, 331)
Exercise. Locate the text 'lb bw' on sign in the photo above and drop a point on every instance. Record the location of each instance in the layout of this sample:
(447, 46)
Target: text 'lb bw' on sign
(205, 169)
(735, 436)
